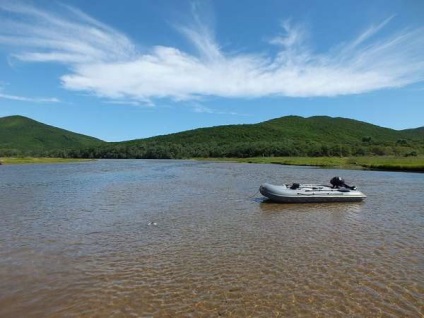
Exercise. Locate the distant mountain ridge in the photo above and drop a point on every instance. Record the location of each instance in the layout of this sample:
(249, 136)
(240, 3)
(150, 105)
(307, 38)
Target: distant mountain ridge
(285, 136)
(24, 134)
(317, 128)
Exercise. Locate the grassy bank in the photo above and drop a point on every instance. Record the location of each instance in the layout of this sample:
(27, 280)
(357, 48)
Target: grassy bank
(32, 160)
(389, 163)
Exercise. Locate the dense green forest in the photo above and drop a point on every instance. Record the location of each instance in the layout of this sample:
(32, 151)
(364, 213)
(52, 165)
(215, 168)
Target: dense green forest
(287, 136)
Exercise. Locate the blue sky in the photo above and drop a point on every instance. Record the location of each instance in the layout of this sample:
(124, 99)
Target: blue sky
(128, 69)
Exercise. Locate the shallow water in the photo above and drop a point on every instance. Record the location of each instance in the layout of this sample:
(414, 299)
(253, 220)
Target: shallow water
(136, 238)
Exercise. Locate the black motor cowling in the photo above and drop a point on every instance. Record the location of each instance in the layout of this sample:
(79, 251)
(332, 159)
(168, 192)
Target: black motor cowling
(338, 182)
(295, 186)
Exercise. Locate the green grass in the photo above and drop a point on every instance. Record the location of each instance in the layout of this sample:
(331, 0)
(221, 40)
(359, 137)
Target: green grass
(391, 163)
(32, 160)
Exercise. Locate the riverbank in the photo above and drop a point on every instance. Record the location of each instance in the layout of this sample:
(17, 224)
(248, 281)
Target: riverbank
(389, 163)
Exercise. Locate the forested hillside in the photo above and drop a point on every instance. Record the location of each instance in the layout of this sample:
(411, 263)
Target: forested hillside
(286, 136)
(20, 135)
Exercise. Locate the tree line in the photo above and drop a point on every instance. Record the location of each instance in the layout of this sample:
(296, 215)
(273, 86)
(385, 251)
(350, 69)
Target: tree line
(168, 150)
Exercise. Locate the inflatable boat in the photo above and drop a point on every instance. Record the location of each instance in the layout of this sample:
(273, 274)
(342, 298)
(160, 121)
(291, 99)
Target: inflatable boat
(312, 193)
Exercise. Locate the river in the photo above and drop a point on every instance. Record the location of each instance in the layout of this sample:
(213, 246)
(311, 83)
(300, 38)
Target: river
(151, 238)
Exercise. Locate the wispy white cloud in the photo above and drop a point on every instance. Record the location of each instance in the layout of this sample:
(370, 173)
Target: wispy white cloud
(68, 36)
(130, 102)
(25, 98)
(199, 108)
(29, 99)
(105, 62)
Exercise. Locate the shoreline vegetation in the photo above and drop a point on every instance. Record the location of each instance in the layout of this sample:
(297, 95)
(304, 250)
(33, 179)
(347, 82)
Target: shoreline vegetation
(387, 163)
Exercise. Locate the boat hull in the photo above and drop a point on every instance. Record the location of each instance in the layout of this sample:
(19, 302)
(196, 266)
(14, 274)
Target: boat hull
(309, 194)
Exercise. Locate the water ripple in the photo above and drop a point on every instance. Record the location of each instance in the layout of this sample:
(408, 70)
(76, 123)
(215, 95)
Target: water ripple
(189, 239)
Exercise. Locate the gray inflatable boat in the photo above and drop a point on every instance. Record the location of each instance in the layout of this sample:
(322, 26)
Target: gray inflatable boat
(312, 193)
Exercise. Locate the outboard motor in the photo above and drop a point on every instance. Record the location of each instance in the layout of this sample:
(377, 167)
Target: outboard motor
(338, 182)
(295, 186)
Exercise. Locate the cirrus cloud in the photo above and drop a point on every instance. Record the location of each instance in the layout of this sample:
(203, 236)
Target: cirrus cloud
(105, 62)
(29, 99)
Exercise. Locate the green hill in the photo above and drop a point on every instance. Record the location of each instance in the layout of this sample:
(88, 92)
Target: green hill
(285, 136)
(19, 134)
(291, 129)
(417, 132)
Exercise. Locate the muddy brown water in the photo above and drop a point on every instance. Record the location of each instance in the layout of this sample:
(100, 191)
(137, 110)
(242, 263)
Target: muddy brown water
(145, 238)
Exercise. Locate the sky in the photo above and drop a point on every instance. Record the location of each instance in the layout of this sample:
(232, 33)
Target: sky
(128, 69)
